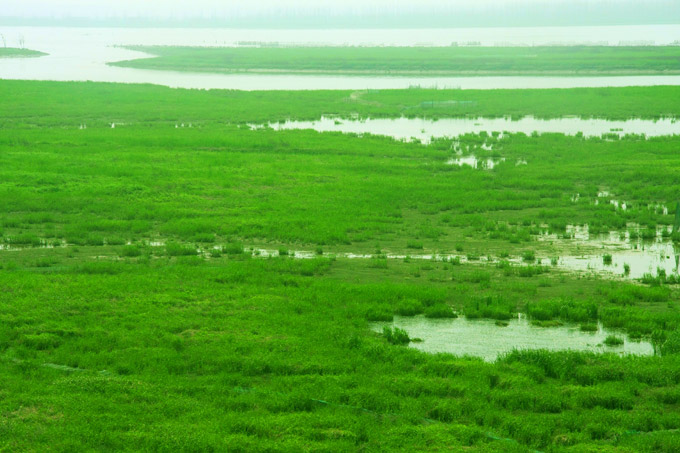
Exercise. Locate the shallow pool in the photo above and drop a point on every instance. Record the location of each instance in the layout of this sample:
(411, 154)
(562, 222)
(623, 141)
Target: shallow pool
(424, 130)
(483, 338)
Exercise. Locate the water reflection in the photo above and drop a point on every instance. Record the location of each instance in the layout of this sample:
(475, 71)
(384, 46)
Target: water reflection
(483, 338)
(630, 254)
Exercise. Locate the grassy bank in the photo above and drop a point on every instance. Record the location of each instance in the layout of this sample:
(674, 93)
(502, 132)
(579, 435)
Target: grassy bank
(117, 333)
(47, 104)
(458, 61)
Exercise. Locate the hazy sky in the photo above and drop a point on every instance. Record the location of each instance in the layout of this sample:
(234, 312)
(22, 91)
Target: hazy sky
(323, 13)
(164, 8)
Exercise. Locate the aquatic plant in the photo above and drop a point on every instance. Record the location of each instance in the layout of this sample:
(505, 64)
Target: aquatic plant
(396, 335)
(613, 340)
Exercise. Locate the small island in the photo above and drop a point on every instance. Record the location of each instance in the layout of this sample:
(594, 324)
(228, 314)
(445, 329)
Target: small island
(11, 52)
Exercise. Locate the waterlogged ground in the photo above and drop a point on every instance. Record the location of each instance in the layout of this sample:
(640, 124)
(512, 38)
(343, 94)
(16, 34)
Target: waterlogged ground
(628, 260)
(574, 251)
(100, 335)
(424, 130)
(484, 338)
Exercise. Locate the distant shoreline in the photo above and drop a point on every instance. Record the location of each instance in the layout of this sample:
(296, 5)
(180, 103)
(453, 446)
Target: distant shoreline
(472, 61)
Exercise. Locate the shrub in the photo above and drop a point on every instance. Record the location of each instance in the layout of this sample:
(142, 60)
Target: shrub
(607, 259)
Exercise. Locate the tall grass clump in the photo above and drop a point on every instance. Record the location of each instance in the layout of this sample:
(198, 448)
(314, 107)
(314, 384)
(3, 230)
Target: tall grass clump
(440, 311)
(396, 335)
(176, 249)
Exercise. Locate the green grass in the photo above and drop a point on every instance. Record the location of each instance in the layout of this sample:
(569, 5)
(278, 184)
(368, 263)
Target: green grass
(100, 104)
(302, 189)
(134, 314)
(255, 345)
(563, 60)
(11, 52)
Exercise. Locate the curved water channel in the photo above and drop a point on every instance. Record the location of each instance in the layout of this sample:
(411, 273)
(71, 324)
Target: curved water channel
(486, 339)
(82, 54)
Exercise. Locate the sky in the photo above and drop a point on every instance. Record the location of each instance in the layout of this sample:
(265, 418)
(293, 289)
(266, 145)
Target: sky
(457, 11)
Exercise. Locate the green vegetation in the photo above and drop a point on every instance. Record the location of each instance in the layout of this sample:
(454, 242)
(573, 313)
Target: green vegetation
(11, 52)
(100, 104)
(562, 60)
(613, 340)
(588, 327)
(181, 184)
(396, 336)
(153, 297)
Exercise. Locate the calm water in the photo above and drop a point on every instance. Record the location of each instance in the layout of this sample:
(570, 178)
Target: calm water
(424, 130)
(483, 338)
(641, 256)
(82, 53)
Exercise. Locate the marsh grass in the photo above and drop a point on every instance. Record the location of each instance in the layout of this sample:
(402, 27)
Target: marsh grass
(396, 335)
(131, 251)
(613, 340)
(177, 249)
(440, 311)
(170, 351)
(409, 307)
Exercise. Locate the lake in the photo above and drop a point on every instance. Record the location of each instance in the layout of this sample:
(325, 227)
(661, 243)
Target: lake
(80, 54)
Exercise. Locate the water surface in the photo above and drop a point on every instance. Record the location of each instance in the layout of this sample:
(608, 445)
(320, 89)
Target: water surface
(425, 129)
(81, 54)
(483, 338)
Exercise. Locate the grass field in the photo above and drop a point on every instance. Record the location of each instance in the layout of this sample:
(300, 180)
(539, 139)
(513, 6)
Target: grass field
(116, 333)
(572, 60)
(10, 52)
